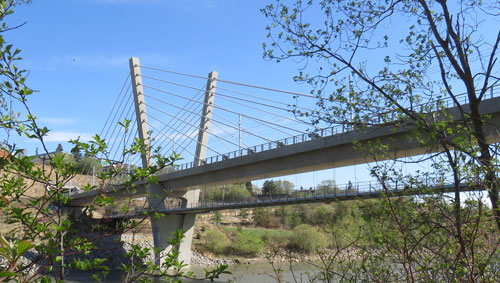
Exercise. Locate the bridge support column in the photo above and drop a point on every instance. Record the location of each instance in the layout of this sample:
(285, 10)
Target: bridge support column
(164, 227)
(168, 224)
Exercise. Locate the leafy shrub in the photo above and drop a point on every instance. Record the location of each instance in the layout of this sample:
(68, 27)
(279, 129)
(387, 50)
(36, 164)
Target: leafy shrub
(263, 217)
(215, 241)
(217, 216)
(323, 215)
(306, 238)
(247, 244)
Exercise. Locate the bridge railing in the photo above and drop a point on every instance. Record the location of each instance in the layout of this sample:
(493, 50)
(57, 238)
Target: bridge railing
(320, 133)
(332, 192)
(305, 195)
(269, 145)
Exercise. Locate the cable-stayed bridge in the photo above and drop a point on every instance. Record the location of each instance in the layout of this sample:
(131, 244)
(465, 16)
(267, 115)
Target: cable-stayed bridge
(235, 133)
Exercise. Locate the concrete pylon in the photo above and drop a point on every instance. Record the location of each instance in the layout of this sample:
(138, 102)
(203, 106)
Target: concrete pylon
(193, 195)
(165, 226)
(155, 191)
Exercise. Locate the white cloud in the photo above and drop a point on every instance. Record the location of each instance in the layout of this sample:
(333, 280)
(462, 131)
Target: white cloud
(60, 136)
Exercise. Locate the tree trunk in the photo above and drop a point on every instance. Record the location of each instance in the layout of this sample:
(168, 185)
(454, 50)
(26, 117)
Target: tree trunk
(485, 159)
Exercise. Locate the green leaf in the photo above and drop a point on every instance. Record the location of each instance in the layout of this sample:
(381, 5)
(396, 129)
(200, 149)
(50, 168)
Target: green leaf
(5, 274)
(23, 247)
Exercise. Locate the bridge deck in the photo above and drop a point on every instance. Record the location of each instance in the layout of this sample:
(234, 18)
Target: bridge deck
(336, 150)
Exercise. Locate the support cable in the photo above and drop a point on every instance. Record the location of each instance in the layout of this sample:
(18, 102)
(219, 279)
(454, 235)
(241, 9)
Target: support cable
(189, 117)
(116, 101)
(272, 101)
(114, 117)
(235, 126)
(132, 131)
(105, 137)
(165, 136)
(190, 141)
(111, 139)
(197, 127)
(242, 93)
(116, 127)
(176, 134)
(225, 109)
(110, 152)
(223, 129)
(182, 115)
(123, 96)
(186, 136)
(268, 112)
(188, 105)
(274, 128)
(222, 108)
(124, 133)
(232, 82)
(231, 125)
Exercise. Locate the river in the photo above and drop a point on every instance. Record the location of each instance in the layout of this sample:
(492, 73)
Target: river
(244, 273)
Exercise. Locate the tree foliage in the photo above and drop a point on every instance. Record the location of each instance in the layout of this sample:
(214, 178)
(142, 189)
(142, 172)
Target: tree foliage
(422, 65)
(234, 192)
(306, 238)
(272, 187)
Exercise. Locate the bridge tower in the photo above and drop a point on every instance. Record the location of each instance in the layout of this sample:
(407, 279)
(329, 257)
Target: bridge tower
(163, 227)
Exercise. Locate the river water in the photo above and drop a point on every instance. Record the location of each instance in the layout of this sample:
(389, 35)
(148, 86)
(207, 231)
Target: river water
(245, 273)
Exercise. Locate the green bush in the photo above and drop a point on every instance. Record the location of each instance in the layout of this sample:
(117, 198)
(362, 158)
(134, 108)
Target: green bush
(217, 217)
(323, 215)
(264, 217)
(215, 241)
(306, 238)
(247, 244)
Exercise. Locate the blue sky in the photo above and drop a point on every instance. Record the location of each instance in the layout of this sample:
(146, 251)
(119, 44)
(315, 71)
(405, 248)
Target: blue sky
(77, 51)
